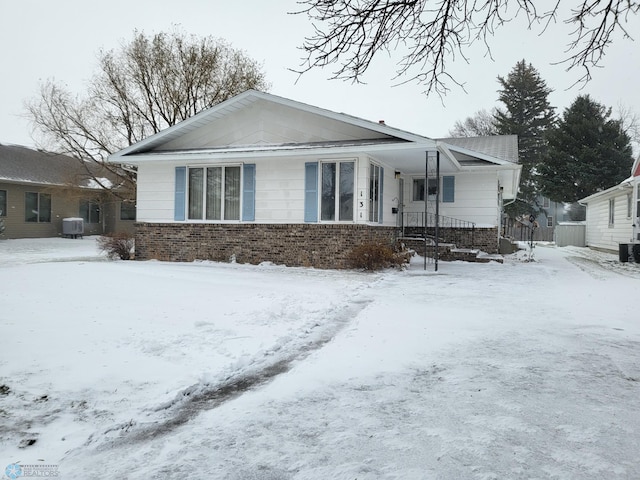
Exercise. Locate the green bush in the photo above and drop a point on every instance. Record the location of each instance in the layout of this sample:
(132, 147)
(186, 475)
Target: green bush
(117, 245)
(377, 255)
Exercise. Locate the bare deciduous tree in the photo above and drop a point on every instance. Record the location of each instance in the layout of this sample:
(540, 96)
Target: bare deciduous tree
(480, 124)
(147, 85)
(630, 123)
(351, 32)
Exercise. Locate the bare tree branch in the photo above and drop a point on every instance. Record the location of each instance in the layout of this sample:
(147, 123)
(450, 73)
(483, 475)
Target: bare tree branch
(431, 33)
(147, 85)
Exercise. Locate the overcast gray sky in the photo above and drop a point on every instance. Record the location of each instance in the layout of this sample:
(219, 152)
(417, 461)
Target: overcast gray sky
(42, 39)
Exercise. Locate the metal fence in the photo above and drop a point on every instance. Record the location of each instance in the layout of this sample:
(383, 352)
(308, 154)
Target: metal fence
(450, 230)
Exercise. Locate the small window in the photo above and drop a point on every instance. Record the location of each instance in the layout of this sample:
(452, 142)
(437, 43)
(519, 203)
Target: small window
(549, 221)
(629, 205)
(418, 188)
(3, 203)
(612, 211)
(127, 211)
(89, 211)
(37, 207)
(374, 193)
(545, 202)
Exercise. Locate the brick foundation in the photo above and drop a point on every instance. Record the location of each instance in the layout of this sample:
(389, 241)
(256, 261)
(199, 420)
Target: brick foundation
(485, 239)
(309, 245)
(294, 245)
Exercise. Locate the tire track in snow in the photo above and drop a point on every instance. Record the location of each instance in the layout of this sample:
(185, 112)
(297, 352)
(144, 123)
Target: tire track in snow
(198, 398)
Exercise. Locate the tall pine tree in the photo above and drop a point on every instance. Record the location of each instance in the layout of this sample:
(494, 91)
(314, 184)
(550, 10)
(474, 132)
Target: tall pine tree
(528, 114)
(588, 152)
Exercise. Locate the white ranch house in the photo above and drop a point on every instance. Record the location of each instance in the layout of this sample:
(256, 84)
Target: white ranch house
(613, 215)
(264, 178)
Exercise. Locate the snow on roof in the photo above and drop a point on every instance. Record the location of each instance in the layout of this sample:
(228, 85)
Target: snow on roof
(25, 165)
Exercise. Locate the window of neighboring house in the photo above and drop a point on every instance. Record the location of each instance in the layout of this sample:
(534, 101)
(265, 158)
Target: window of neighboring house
(374, 193)
(629, 205)
(545, 202)
(549, 221)
(612, 211)
(127, 211)
(3, 203)
(336, 191)
(89, 211)
(37, 207)
(418, 188)
(214, 193)
(638, 200)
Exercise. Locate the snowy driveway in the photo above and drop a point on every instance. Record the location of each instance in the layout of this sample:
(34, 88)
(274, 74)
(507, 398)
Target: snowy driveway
(153, 370)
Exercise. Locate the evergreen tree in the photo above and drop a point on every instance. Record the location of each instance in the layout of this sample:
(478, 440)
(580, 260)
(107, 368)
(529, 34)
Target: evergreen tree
(529, 115)
(588, 152)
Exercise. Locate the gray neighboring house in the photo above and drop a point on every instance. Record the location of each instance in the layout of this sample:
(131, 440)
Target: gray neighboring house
(38, 189)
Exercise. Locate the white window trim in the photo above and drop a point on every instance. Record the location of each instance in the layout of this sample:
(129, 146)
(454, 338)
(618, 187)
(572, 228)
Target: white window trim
(429, 197)
(204, 194)
(338, 161)
(612, 212)
(369, 201)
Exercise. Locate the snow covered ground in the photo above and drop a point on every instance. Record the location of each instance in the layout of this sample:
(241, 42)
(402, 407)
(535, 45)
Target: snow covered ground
(151, 370)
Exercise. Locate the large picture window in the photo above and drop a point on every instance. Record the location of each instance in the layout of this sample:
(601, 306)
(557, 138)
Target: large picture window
(214, 193)
(337, 187)
(37, 207)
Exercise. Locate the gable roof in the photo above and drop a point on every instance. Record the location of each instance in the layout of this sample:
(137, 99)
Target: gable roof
(361, 131)
(260, 126)
(24, 165)
(504, 147)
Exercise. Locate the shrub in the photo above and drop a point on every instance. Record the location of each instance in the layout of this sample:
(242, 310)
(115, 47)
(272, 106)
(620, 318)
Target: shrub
(117, 245)
(377, 255)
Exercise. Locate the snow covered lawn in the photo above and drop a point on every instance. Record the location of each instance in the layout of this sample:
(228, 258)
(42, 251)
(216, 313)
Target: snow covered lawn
(144, 370)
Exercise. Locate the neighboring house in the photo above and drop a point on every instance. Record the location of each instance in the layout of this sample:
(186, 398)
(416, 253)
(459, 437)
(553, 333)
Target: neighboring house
(613, 214)
(39, 189)
(550, 215)
(264, 178)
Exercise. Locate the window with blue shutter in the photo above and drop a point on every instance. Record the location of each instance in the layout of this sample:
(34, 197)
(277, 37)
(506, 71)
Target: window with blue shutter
(448, 189)
(249, 193)
(180, 193)
(311, 192)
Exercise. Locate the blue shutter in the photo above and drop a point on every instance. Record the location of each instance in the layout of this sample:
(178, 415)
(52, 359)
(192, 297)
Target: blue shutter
(448, 189)
(180, 193)
(249, 193)
(380, 196)
(311, 192)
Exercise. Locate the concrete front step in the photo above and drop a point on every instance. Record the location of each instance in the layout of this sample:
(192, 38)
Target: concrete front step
(449, 253)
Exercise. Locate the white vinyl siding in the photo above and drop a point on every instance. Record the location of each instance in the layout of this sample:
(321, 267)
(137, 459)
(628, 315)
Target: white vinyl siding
(600, 233)
(476, 199)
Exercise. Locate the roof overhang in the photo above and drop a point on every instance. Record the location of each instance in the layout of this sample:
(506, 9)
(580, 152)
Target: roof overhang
(626, 184)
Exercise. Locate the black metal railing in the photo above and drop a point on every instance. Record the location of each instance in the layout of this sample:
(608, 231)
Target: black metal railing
(450, 230)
